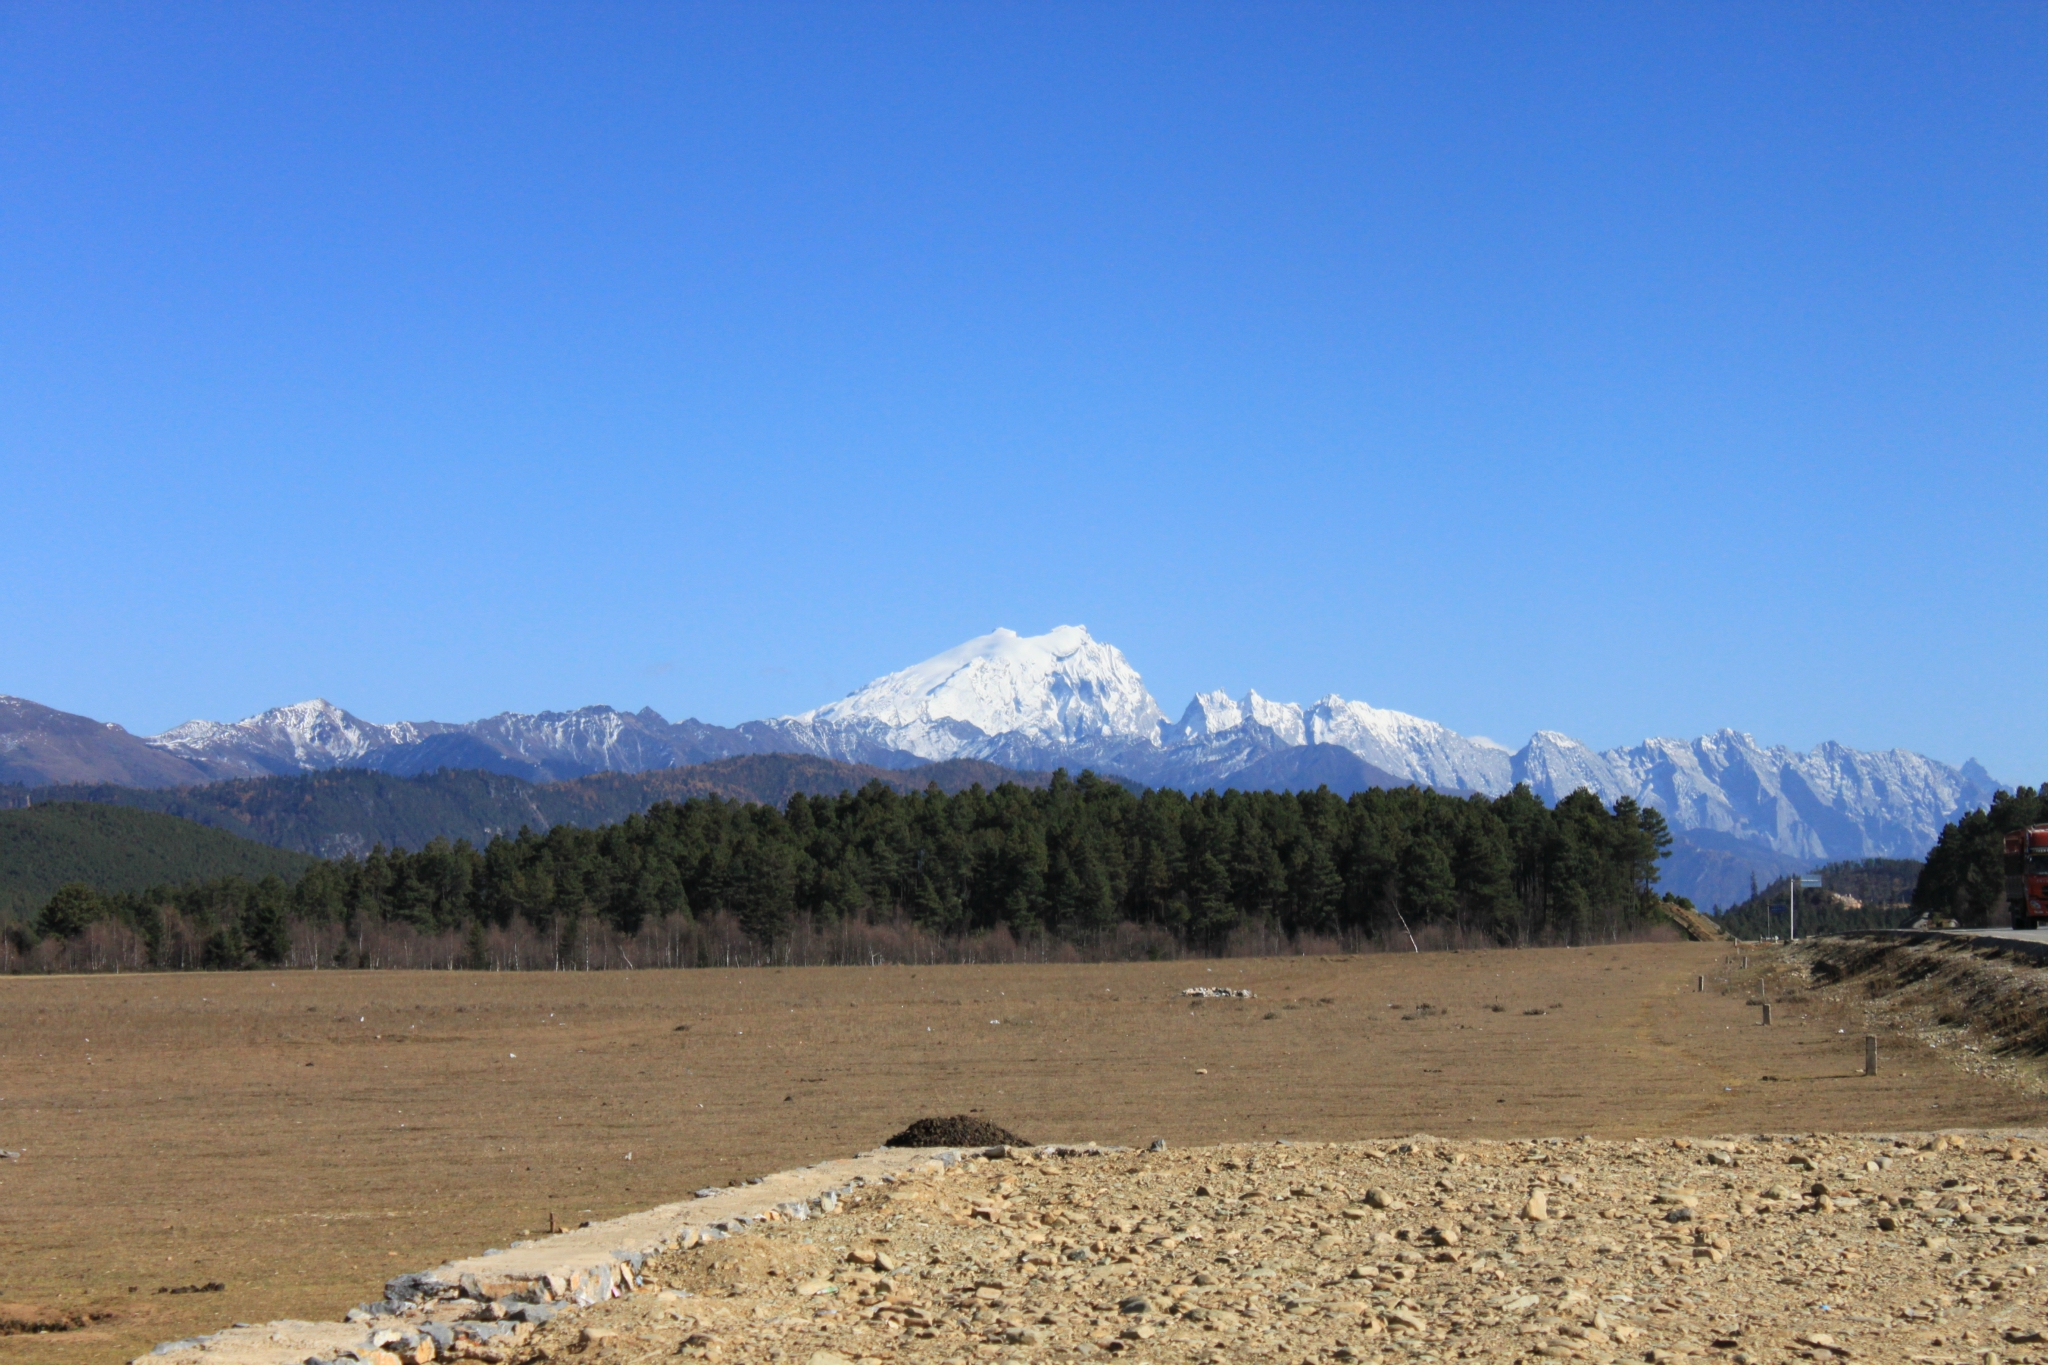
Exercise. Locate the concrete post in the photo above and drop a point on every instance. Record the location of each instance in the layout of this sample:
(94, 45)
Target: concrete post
(1767, 1011)
(1870, 1054)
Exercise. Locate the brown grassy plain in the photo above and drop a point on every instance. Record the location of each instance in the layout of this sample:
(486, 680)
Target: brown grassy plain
(300, 1137)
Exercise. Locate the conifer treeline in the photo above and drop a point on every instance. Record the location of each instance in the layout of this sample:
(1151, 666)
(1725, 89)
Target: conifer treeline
(1073, 862)
(1965, 874)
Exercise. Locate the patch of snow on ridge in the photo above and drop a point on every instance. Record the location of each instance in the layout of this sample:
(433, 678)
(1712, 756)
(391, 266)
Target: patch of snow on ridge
(1556, 765)
(1411, 747)
(314, 733)
(1210, 713)
(1217, 713)
(1062, 687)
(1282, 718)
(1830, 802)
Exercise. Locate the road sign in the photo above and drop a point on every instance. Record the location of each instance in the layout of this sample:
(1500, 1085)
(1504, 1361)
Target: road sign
(1809, 881)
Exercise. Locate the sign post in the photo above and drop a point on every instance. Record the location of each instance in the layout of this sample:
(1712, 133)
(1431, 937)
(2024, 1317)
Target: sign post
(1809, 880)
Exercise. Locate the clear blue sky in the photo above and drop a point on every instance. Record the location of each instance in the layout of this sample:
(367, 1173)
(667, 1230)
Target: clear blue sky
(1619, 370)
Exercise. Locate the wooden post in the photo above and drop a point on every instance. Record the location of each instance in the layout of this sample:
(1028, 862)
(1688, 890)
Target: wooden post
(1870, 1054)
(1699, 983)
(1767, 1011)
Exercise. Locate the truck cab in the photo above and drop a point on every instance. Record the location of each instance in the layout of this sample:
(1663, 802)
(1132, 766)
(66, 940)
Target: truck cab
(2026, 876)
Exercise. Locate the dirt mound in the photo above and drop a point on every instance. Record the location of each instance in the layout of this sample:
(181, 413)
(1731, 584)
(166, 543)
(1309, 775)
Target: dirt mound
(962, 1130)
(1695, 926)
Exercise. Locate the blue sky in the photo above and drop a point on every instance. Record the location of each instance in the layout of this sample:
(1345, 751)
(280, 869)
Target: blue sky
(1619, 370)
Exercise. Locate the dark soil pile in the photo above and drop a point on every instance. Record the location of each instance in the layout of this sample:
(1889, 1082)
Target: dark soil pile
(962, 1130)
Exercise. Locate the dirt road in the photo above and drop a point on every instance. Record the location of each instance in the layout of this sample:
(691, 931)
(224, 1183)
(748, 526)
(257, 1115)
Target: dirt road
(297, 1138)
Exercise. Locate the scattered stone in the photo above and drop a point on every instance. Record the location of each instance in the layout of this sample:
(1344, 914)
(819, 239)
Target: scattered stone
(1301, 1254)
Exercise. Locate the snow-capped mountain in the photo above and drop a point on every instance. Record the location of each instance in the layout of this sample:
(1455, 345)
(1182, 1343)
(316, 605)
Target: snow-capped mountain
(1830, 802)
(1002, 697)
(546, 746)
(1422, 751)
(1214, 713)
(286, 739)
(1065, 699)
(1061, 689)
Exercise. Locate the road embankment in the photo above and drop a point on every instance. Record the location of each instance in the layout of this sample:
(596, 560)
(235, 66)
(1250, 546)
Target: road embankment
(1981, 998)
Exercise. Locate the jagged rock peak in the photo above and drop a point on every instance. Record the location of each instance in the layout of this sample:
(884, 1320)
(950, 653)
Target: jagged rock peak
(316, 733)
(1217, 713)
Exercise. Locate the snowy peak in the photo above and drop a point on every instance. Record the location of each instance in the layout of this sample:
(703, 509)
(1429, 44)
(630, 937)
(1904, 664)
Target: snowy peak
(1283, 718)
(1830, 802)
(1060, 688)
(308, 734)
(1212, 714)
(1420, 750)
(315, 735)
(1556, 765)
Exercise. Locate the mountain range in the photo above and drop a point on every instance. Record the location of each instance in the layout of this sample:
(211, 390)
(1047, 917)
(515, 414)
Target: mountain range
(1065, 699)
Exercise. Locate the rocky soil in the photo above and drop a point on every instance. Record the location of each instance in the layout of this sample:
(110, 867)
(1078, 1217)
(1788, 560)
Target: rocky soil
(1817, 1247)
(1983, 1008)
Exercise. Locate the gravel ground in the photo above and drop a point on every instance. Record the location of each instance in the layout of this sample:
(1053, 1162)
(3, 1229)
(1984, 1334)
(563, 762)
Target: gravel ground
(1815, 1247)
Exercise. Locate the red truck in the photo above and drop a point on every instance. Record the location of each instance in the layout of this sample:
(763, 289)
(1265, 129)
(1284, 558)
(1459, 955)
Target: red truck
(2026, 876)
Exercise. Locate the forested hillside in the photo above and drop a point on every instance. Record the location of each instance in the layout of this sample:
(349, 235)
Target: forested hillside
(45, 846)
(1069, 863)
(1965, 875)
(1861, 893)
(349, 811)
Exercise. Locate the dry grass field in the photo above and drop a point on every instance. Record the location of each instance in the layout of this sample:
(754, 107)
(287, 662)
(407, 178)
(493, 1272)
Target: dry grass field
(298, 1138)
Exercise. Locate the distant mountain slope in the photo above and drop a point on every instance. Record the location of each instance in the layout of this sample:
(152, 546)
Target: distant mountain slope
(38, 745)
(347, 811)
(117, 849)
(1716, 870)
(767, 778)
(1312, 766)
(337, 813)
